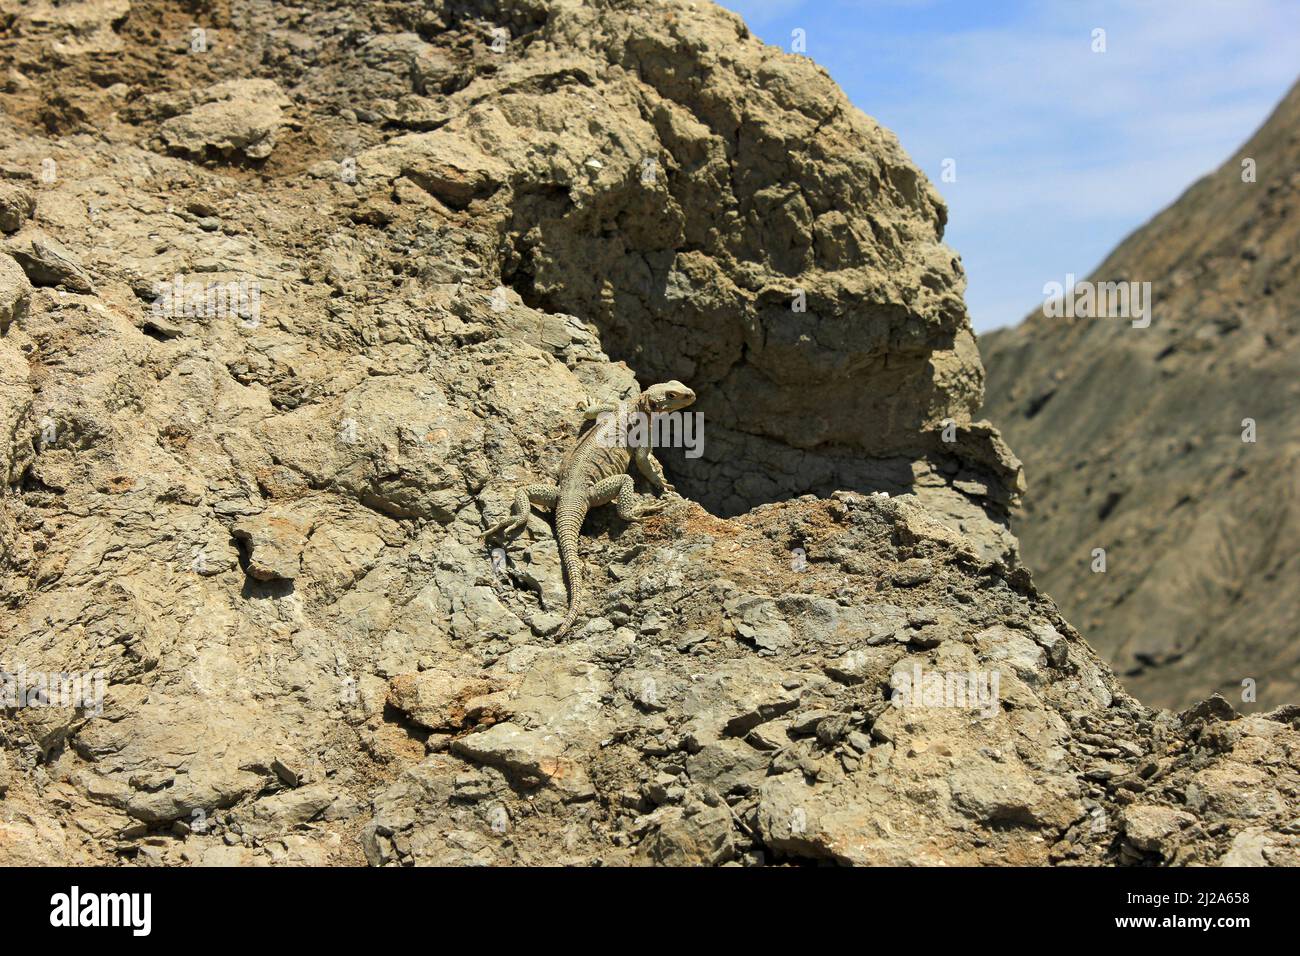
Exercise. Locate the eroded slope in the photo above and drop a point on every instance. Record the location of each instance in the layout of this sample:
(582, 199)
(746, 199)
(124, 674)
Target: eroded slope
(1134, 440)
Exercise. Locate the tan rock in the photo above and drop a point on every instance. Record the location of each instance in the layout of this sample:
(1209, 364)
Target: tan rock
(234, 118)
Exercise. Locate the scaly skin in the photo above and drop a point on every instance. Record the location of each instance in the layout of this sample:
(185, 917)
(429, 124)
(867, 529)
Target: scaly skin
(594, 473)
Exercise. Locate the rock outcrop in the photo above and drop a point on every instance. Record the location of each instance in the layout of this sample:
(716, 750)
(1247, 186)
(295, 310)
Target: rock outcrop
(1175, 447)
(248, 458)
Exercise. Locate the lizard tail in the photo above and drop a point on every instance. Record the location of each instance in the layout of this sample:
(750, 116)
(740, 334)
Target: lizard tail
(568, 523)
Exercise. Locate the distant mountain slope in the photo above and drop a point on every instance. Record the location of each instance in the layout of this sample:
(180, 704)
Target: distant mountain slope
(1132, 439)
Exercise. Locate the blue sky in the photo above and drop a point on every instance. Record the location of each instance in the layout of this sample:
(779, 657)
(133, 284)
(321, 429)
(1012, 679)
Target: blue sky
(1060, 152)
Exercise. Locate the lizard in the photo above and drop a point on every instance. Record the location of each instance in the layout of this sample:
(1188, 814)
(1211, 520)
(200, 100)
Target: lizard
(594, 473)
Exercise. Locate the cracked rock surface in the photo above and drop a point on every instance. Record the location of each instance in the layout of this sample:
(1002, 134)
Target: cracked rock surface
(256, 411)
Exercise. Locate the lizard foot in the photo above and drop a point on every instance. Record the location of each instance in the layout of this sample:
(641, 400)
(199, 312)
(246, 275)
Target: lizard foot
(502, 528)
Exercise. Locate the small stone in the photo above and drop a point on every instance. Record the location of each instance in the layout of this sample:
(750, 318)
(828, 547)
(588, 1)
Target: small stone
(852, 667)
(48, 262)
(1154, 829)
(690, 639)
(772, 735)
(1215, 707)
(241, 116)
(831, 729)
(660, 790)
(923, 616)
(530, 755)
(859, 741)
(1051, 641)
(291, 777)
(758, 621)
(681, 839)
(545, 622)
(471, 787)
(1249, 848)
(16, 206)
(805, 722)
(913, 572)
(596, 626)
(15, 293)
(275, 543)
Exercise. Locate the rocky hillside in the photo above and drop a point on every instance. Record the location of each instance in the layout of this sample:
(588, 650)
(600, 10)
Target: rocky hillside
(1137, 440)
(292, 299)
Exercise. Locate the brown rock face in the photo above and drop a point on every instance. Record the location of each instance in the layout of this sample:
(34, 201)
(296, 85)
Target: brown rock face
(1175, 447)
(247, 462)
(724, 216)
(727, 217)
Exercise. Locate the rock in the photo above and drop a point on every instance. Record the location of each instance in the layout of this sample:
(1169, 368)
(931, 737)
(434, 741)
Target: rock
(859, 665)
(1016, 649)
(806, 721)
(235, 118)
(440, 699)
(859, 741)
(47, 262)
(1051, 641)
(282, 811)
(533, 756)
(758, 621)
(1154, 829)
(760, 706)
(1249, 848)
(1233, 790)
(912, 572)
(1212, 708)
(690, 639)
(727, 766)
(17, 205)
(87, 27)
(15, 293)
(703, 838)
(275, 544)
(997, 796)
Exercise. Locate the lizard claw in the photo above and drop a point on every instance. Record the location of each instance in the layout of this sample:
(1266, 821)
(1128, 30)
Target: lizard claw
(501, 528)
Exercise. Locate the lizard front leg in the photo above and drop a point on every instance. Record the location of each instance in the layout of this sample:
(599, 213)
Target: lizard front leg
(543, 496)
(620, 487)
(648, 465)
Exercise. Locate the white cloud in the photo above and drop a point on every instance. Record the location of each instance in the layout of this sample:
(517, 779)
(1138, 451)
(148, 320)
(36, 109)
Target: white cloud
(1061, 152)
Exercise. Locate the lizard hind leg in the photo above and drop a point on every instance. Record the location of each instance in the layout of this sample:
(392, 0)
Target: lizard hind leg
(620, 487)
(543, 496)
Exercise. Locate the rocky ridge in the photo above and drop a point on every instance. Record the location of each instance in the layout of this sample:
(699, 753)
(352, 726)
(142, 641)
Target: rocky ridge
(289, 305)
(1185, 474)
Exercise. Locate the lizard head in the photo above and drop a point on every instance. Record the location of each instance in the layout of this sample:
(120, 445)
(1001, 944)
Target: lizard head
(667, 397)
